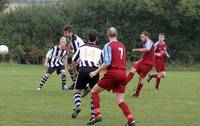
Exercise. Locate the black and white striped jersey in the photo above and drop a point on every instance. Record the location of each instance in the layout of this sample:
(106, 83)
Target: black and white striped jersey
(76, 42)
(56, 56)
(88, 55)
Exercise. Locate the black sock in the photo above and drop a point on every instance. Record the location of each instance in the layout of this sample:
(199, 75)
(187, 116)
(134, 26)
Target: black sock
(63, 79)
(43, 81)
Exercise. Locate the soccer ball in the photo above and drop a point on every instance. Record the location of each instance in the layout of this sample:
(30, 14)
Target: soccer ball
(3, 49)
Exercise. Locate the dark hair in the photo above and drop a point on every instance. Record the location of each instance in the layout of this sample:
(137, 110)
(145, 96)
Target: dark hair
(162, 34)
(68, 28)
(145, 33)
(92, 35)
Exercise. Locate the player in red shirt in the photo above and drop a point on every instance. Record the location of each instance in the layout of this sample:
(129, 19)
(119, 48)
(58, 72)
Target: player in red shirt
(114, 79)
(160, 52)
(145, 64)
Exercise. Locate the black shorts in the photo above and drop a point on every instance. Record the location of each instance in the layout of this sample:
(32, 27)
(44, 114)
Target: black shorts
(84, 78)
(58, 69)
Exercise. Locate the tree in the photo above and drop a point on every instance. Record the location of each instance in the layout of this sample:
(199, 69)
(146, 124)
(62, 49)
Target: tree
(3, 4)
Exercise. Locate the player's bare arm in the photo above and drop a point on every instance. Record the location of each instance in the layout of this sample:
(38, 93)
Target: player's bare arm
(141, 50)
(65, 62)
(46, 63)
(101, 68)
(158, 54)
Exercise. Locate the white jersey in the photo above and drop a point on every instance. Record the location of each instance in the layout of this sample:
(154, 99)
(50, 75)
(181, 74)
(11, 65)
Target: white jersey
(76, 42)
(56, 56)
(88, 55)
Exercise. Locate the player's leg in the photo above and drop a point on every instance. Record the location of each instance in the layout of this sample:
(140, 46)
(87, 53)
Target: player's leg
(92, 83)
(125, 109)
(131, 74)
(95, 109)
(77, 102)
(139, 87)
(161, 73)
(158, 79)
(81, 82)
(44, 79)
(71, 72)
(151, 76)
(63, 80)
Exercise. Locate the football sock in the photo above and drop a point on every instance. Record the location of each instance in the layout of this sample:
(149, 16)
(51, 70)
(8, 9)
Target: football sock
(154, 75)
(92, 108)
(43, 81)
(139, 87)
(63, 79)
(77, 100)
(96, 103)
(129, 77)
(124, 107)
(157, 82)
(72, 75)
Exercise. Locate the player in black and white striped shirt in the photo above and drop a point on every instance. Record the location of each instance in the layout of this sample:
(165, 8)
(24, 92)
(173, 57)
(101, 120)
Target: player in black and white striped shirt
(56, 61)
(74, 43)
(88, 58)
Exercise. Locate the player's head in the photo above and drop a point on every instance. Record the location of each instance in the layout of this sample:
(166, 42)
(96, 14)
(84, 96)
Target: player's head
(63, 42)
(144, 36)
(68, 31)
(161, 37)
(112, 32)
(92, 36)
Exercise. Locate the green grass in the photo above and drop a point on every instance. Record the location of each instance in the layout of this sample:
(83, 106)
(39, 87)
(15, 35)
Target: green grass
(176, 104)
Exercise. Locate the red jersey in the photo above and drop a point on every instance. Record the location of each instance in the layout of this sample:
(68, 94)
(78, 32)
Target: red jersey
(160, 48)
(115, 55)
(148, 57)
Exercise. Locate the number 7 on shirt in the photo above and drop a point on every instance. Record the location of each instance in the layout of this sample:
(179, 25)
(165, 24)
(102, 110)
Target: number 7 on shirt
(121, 52)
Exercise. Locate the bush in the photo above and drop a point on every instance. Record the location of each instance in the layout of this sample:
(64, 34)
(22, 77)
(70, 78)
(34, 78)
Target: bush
(37, 28)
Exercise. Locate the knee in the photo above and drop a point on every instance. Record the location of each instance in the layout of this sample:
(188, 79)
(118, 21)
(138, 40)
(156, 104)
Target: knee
(47, 74)
(133, 70)
(141, 81)
(93, 90)
(163, 74)
(63, 72)
(77, 91)
(119, 100)
(96, 88)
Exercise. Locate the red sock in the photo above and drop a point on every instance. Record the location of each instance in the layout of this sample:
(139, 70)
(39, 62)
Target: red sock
(96, 103)
(129, 77)
(139, 87)
(154, 75)
(124, 107)
(157, 82)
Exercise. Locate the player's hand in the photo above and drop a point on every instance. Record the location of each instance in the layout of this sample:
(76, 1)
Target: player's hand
(46, 65)
(133, 50)
(158, 54)
(134, 62)
(92, 74)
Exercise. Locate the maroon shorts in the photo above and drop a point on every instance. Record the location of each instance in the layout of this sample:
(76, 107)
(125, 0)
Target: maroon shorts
(160, 66)
(114, 80)
(143, 69)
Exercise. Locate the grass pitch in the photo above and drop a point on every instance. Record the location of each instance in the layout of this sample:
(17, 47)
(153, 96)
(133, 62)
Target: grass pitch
(176, 104)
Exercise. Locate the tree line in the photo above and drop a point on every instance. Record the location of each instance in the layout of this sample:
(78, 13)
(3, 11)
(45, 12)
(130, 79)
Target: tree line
(30, 31)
